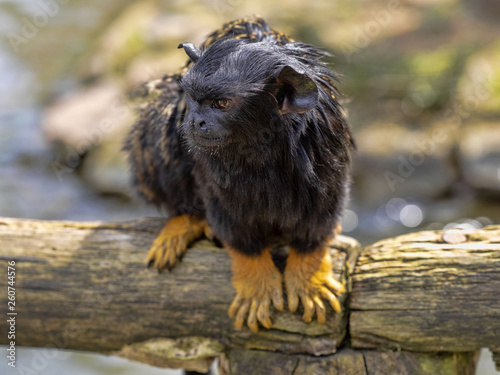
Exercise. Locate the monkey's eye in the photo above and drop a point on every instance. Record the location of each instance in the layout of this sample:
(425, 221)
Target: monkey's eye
(222, 104)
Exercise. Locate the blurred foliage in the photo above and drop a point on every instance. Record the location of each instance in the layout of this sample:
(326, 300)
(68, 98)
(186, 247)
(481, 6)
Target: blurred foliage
(402, 60)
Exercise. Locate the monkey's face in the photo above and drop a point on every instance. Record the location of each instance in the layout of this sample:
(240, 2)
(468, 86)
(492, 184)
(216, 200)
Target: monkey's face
(229, 120)
(209, 121)
(239, 94)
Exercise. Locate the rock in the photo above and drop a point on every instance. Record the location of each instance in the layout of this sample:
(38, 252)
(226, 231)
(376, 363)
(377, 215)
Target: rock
(83, 119)
(105, 167)
(396, 162)
(92, 123)
(479, 153)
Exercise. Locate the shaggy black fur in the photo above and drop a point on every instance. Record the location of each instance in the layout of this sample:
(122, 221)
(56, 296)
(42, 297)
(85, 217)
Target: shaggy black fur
(250, 137)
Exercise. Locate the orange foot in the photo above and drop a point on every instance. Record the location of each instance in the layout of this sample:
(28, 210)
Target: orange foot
(257, 282)
(309, 277)
(173, 240)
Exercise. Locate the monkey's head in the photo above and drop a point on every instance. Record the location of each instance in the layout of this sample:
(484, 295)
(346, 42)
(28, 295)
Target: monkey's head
(246, 95)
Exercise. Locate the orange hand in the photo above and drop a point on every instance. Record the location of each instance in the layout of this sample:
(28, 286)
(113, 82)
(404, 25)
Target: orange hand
(173, 240)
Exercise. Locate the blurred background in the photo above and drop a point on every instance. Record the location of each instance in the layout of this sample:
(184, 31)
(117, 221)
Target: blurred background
(421, 85)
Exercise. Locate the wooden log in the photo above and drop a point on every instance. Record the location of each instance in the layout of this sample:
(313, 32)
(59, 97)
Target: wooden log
(85, 286)
(428, 291)
(351, 362)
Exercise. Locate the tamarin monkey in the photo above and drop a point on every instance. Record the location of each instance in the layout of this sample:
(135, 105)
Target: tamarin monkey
(249, 144)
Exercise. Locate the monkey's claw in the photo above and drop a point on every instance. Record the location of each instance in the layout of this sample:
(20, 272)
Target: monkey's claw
(174, 239)
(166, 251)
(257, 285)
(256, 303)
(309, 278)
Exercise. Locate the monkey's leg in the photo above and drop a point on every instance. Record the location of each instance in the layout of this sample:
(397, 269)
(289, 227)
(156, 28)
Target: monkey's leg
(257, 282)
(309, 277)
(174, 238)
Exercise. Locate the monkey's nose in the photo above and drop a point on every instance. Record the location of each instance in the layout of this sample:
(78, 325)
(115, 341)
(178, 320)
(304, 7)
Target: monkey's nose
(202, 125)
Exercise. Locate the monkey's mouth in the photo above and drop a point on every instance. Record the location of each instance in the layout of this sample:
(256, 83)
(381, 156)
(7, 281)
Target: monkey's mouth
(210, 141)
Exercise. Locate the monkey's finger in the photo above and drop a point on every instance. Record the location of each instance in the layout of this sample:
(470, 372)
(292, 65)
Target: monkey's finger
(277, 297)
(178, 246)
(308, 308)
(334, 285)
(154, 255)
(173, 244)
(241, 314)
(263, 313)
(209, 233)
(320, 309)
(160, 259)
(150, 260)
(160, 255)
(235, 305)
(252, 316)
(332, 300)
(169, 259)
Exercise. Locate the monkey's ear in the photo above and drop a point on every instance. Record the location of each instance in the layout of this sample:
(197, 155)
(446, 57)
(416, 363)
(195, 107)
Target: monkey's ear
(297, 92)
(191, 50)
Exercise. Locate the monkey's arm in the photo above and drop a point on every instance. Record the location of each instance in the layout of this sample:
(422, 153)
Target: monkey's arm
(172, 242)
(161, 170)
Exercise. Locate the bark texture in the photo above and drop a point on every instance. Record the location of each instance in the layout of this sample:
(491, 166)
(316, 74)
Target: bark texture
(85, 286)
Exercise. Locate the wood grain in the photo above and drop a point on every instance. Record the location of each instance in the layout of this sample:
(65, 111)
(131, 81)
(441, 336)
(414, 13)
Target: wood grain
(352, 362)
(428, 291)
(85, 286)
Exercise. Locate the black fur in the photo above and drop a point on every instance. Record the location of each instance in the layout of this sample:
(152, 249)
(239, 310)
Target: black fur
(271, 170)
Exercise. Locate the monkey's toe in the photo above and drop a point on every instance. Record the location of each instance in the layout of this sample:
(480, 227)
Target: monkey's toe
(312, 294)
(257, 286)
(309, 279)
(254, 306)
